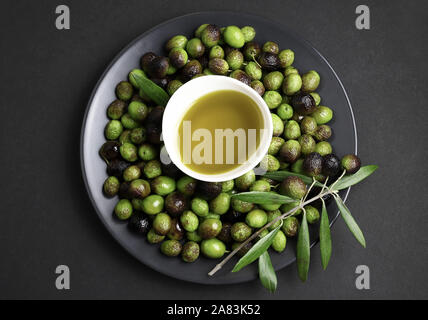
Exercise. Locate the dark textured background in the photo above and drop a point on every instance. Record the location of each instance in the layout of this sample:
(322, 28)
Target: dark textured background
(46, 218)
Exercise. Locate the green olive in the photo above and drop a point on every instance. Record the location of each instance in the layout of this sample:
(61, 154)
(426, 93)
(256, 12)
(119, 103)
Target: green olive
(216, 52)
(227, 186)
(139, 188)
(220, 204)
(323, 148)
(293, 187)
(316, 97)
(235, 59)
(312, 214)
(292, 84)
(270, 46)
(260, 186)
(290, 151)
(241, 206)
(193, 236)
(249, 33)
(278, 125)
(153, 237)
(290, 70)
(138, 135)
(253, 70)
(292, 130)
(297, 167)
(113, 130)
(287, 207)
(323, 132)
(178, 41)
(128, 151)
(189, 221)
(147, 152)
(123, 209)
(258, 87)
(186, 185)
(128, 122)
(272, 98)
(279, 242)
(163, 185)
(213, 248)
(116, 109)
(308, 125)
(290, 226)
(195, 48)
(272, 215)
(310, 81)
(153, 204)
(270, 163)
(286, 58)
(190, 251)
(240, 231)
(244, 182)
(200, 207)
(162, 224)
(351, 163)
(256, 218)
(234, 37)
(252, 51)
(111, 186)
(199, 30)
(125, 136)
(132, 173)
(178, 57)
(209, 228)
(152, 169)
(322, 114)
(171, 248)
(218, 66)
(210, 35)
(273, 80)
(307, 144)
(284, 111)
(124, 90)
(275, 145)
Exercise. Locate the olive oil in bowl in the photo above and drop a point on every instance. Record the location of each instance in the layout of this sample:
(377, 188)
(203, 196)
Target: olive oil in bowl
(219, 132)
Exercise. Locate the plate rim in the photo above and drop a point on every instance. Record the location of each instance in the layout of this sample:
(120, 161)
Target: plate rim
(101, 78)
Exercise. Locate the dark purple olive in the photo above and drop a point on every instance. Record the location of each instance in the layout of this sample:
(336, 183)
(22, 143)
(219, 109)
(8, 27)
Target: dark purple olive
(177, 231)
(224, 234)
(203, 60)
(175, 204)
(153, 132)
(303, 104)
(158, 67)
(116, 167)
(312, 165)
(269, 61)
(252, 51)
(155, 116)
(241, 76)
(146, 60)
(110, 150)
(209, 190)
(124, 190)
(232, 216)
(331, 165)
(161, 82)
(191, 69)
(139, 223)
(171, 170)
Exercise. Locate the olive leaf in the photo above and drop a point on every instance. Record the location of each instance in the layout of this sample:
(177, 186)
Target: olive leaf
(151, 89)
(281, 175)
(257, 250)
(303, 250)
(259, 197)
(352, 179)
(325, 237)
(350, 222)
(267, 273)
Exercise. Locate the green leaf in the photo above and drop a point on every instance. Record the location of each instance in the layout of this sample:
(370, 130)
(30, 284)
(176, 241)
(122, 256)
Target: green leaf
(263, 197)
(151, 89)
(358, 176)
(267, 273)
(350, 222)
(325, 237)
(281, 175)
(256, 250)
(303, 250)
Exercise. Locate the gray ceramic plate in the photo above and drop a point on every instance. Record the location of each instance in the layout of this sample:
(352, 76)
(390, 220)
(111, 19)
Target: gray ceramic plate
(94, 169)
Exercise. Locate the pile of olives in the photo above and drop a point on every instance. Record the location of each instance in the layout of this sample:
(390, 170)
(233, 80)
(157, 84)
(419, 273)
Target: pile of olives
(189, 217)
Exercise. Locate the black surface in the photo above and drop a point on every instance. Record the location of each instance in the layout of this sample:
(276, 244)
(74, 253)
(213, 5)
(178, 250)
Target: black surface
(93, 167)
(46, 218)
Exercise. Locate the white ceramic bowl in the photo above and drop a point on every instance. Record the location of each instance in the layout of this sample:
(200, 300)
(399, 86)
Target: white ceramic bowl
(184, 98)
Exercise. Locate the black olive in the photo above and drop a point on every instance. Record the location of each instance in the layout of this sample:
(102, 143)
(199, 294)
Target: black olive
(269, 61)
(177, 231)
(209, 190)
(155, 116)
(232, 216)
(224, 234)
(331, 165)
(191, 69)
(175, 204)
(116, 167)
(171, 170)
(158, 67)
(161, 82)
(203, 60)
(124, 190)
(153, 132)
(139, 223)
(146, 60)
(303, 104)
(110, 150)
(312, 165)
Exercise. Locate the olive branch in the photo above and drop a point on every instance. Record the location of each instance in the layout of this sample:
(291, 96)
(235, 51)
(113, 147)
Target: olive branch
(260, 249)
